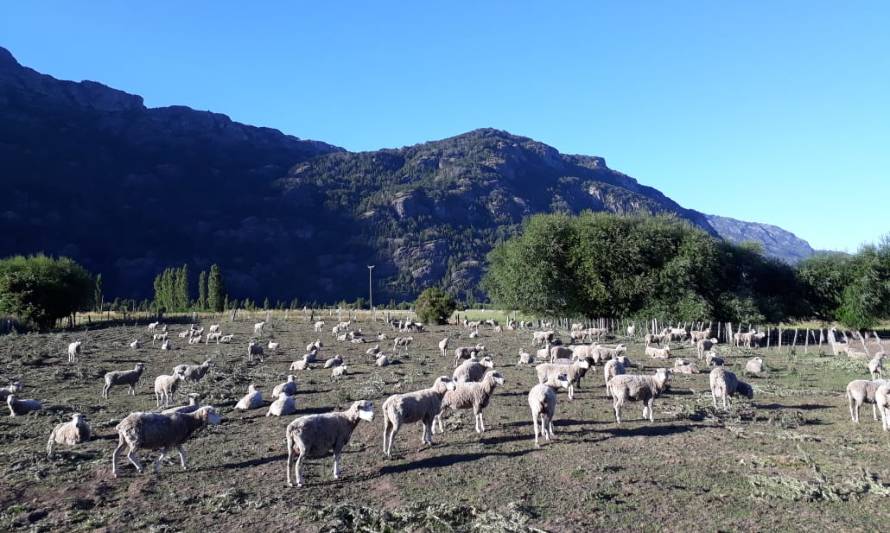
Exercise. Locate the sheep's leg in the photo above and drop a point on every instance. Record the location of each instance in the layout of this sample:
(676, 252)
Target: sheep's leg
(535, 424)
(337, 465)
(439, 420)
(159, 459)
(114, 455)
(183, 457)
(617, 407)
(297, 473)
(392, 436)
(714, 398)
(105, 391)
(385, 432)
(874, 411)
(651, 413)
(550, 432)
(134, 458)
(481, 423)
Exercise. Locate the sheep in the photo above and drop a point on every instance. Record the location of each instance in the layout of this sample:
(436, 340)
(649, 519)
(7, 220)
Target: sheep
(214, 328)
(12, 388)
(192, 406)
(285, 404)
(861, 391)
(744, 338)
(443, 346)
(876, 365)
(401, 342)
(418, 406)
(318, 325)
(74, 349)
(547, 372)
(195, 340)
(186, 333)
(226, 339)
(631, 330)
(704, 345)
(382, 360)
(754, 366)
(289, 386)
(466, 352)
(252, 400)
(714, 360)
(560, 352)
(302, 364)
(258, 328)
(166, 345)
(21, 407)
(71, 433)
(254, 349)
(601, 353)
(123, 377)
(338, 372)
(474, 334)
(273, 346)
(152, 326)
(695, 336)
(658, 353)
(373, 351)
(193, 373)
(165, 387)
(725, 384)
(542, 402)
(654, 338)
(882, 402)
(612, 368)
(153, 431)
(684, 366)
(135, 345)
(314, 436)
(543, 337)
(158, 337)
(640, 388)
(475, 395)
(314, 346)
(525, 358)
(212, 336)
(337, 360)
(472, 370)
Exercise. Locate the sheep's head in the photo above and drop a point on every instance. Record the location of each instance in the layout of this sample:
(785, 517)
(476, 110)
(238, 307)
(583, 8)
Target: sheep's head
(209, 415)
(17, 386)
(140, 366)
(78, 418)
(562, 380)
(745, 390)
(251, 388)
(494, 376)
(290, 378)
(621, 360)
(364, 409)
(487, 362)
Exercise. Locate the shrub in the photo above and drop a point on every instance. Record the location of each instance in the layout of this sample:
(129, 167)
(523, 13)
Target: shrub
(434, 306)
(40, 289)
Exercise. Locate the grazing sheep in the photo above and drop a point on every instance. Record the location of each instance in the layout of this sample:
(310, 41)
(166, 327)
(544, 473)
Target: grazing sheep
(472, 370)
(214, 328)
(373, 351)
(861, 391)
(314, 436)
(401, 342)
(601, 353)
(704, 345)
(123, 377)
(21, 407)
(258, 328)
(302, 364)
(166, 345)
(69, 433)
(543, 337)
(156, 431)
(725, 384)
(466, 352)
(876, 365)
(382, 360)
(193, 373)
(158, 337)
(73, 350)
(226, 339)
(254, 349)
(136, 344)
(337, 360)
(192, 406)
(252, 400)
(318, 325)
(628, 387)
(882, 402)
(12, 388)
(284, 404)
(560, 352)
(612, 368)
(338, 372)
(289, 387)
(658, 353)
(525, 358)
(165, 387)
(475, 395)
(314, 346)
(273, 346)
(548, 372)
(542, 402)
(443, 346)
(754, 366)
(418, 406)
(195, 340)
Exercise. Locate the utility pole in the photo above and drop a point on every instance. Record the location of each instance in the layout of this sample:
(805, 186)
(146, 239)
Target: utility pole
(370, 287)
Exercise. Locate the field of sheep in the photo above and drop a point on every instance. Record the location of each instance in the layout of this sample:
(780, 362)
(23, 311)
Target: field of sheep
(788, 459)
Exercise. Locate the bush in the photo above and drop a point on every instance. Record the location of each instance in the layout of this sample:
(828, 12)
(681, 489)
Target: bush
(40, 289)
(434, 306)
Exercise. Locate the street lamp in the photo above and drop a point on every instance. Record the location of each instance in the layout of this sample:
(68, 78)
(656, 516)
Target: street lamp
(370, 288)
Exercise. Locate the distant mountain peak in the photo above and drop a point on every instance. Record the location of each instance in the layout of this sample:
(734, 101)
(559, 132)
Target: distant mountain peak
(777, 242)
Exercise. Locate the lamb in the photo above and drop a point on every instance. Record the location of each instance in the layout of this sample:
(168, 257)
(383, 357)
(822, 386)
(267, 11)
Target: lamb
(258, 328)
(254, 349)
(861, 391)
(318, 325)
(443, 346)
(612, 368)
(193, 373)
(314, 346)
(658, 353)
(289, 387)
(12, 388)
(283, 405)
(525, 358)
(136, 344)
(382, 360)
(74, 349)
(882, 402)
(725, 384)
(876, 365)
(226, 339)
(548, 372)
(754, 366)
(315, 435)
(401, 342)
(373, 351)
(252, 400)
(418, 406)
(123, 377)
(302, 364)
(628, 387)
(212, 336)
(474, 395)
(472, 370)
(192, 406)
(273, 346)
(159, 337)
(166, 345)
(195, 340)
(69, 433)
(542, 402)
(21, 407)
(165, 387)
(337, 360)
(152, 326)
(704, 345)
(214, 328)
(153, 431)
(338, 372)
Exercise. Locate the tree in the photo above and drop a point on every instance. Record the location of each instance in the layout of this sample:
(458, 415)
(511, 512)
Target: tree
(216, 294)
(97, 295)
(183, 297)
(40, 290)
(201, 304)
(434, 306)
(267, 304)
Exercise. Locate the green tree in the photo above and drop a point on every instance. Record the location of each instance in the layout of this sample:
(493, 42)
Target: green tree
(40, 290)
(434, 306)
(267, 304)
(216, 294)
(201, 304)
(183, 296)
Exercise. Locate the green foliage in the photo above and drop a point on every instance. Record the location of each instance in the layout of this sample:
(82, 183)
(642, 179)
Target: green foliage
(201, 304)
(172, 290)
(216, 293)
(40, 290)
(434, 306)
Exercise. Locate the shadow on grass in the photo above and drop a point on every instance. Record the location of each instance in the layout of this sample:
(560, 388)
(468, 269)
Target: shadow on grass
(804, 407)
(255, 462)
(648, 430)
(441, 461)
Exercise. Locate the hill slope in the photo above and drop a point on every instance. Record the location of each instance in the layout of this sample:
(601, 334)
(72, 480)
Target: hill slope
(776, 242)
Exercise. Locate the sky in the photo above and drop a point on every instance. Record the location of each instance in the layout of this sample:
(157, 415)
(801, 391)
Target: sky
(768, 111)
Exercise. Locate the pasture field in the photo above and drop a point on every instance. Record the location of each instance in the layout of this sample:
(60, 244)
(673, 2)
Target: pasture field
(790, 459)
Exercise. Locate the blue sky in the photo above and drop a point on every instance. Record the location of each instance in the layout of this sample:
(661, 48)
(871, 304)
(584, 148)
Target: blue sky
(774, 111)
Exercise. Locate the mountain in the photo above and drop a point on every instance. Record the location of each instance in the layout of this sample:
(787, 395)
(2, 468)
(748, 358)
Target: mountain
(89, 172)
(776, 242)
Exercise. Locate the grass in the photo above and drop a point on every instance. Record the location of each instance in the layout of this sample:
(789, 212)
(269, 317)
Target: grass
(788, 457)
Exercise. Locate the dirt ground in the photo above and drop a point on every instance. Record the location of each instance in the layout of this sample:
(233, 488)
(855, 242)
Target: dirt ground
(789, 459)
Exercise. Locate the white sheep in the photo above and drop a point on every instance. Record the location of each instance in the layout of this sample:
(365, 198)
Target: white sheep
(258, 328)
(754, 366)
(470, 395)
(123, 377)
(418, 406)
(12, 388)
(214, 328)
(525, 358)
(337, 360)
(876, 365)
(382, 360)
(373, 351)
(658, 353)
(252, 400)
(73, 349)
(338, 372)
(158, 337)
(560, 352)
(685, 366)
(195, 340)
(136, 344)
(193, 373)
(704, 345)
(612, 368)
(21, 407)
(166, 345)
(71, 433)
(466, 352)
(542, 402)
(443, 346)
(314, 346)
(314, 436)
(156, 431)
(302, 364)
(165, 387)
(192, 406)
(882, 402)
(401, 342)
(861, 391)
(226, 339)
(284, 404)
(628, 387)
(600, 353)
(273, 346)
(318, 325)
(631, 330)
(289, 387)
(212, 336)
(152, 326)
(725, 384)
(548, 373)
(472, 370)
